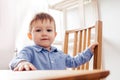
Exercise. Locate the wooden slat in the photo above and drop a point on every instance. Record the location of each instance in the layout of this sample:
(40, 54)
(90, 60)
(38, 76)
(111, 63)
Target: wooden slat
(84, 44)
(75, 43)
(98, 50)
(80, 44)
(66, 43)
(88, 43)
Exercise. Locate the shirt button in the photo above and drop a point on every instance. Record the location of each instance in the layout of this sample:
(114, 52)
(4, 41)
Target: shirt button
(52, 61)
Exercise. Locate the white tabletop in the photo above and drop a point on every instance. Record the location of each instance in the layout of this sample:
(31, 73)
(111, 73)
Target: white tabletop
(51, 74)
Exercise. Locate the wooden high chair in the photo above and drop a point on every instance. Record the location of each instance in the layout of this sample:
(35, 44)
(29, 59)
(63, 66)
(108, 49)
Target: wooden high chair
(83, 37)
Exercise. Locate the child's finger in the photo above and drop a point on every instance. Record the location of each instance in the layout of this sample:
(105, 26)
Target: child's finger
(32, 67)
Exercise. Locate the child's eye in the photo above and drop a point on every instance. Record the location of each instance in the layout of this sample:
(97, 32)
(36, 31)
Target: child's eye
(49, 30)
(38, 30)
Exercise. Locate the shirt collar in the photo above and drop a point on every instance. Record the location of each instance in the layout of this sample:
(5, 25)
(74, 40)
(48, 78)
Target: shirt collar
(39, 48)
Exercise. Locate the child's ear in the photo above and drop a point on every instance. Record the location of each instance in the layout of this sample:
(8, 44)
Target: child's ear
(55, 33)
(29, 36)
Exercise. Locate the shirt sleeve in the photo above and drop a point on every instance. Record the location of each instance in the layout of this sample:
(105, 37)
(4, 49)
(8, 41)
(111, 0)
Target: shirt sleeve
(79, 59)
(24, 55)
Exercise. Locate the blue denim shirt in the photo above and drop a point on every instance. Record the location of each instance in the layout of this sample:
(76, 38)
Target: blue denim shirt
(54, 59)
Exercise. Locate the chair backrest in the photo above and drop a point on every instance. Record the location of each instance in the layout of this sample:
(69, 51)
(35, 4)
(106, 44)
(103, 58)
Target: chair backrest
(81, 39)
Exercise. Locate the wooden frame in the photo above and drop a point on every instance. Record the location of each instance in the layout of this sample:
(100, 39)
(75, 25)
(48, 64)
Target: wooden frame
(82, 39)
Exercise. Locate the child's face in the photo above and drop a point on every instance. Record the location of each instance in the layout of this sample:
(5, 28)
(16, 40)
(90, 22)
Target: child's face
(43, 33)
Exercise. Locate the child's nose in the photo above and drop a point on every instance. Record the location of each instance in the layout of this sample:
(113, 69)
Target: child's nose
(44, 33)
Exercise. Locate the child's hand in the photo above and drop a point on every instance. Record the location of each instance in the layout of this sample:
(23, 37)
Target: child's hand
(92, 47)
(24, 66)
